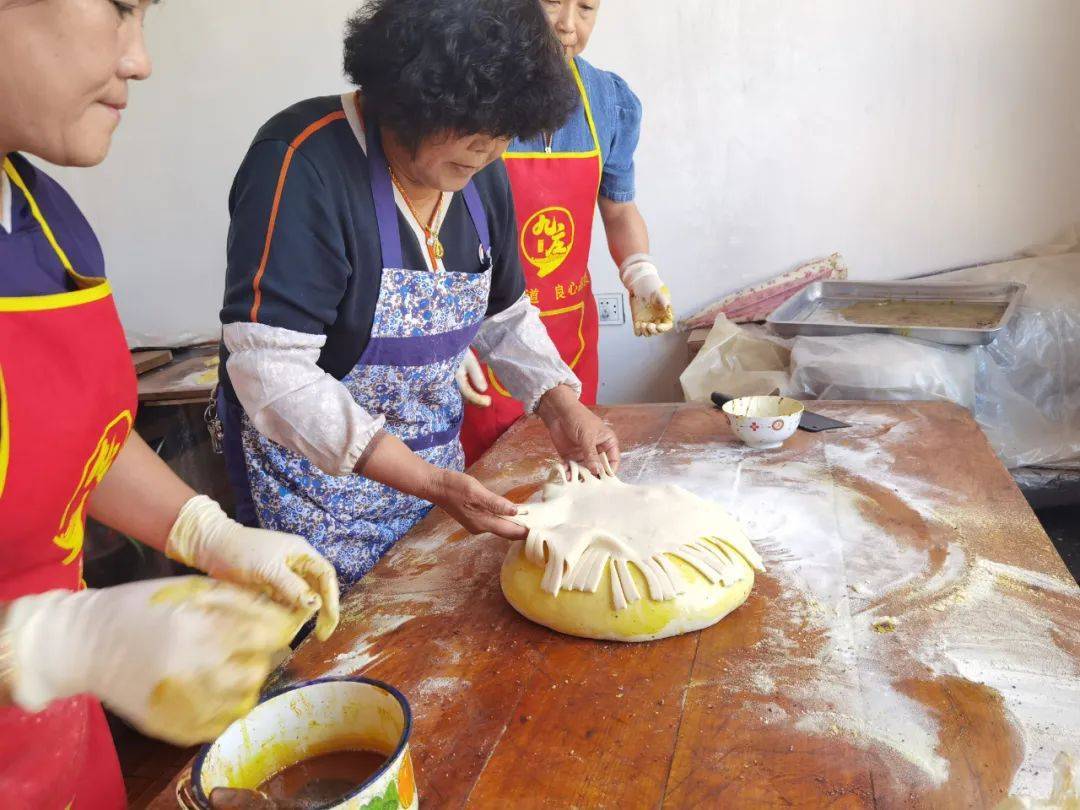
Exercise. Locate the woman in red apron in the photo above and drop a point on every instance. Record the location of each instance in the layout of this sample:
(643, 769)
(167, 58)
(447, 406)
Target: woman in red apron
(557, 182)
(178, 658)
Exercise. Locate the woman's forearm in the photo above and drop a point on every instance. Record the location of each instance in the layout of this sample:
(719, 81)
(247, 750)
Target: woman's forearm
(140, 496)
(464, 498)
(625, 227)
(390, 462)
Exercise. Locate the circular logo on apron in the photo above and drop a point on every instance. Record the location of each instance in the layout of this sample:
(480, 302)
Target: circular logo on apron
(547, 239)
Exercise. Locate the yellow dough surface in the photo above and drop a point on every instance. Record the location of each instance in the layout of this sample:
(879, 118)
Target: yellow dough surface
(593, 615)
(616, 561)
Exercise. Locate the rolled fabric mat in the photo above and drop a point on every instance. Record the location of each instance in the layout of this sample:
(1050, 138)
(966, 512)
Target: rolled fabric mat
(756, 302)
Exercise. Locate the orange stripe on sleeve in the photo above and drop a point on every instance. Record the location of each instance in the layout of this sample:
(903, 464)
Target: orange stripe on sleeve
(297, 141)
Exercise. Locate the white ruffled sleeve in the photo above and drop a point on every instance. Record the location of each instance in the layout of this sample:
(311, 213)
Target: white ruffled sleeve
(289, 399)
(517, 346)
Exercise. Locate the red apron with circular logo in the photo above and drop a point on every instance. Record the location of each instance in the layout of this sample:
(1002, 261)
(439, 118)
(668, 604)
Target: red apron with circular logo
(67, 404)
(555, 200)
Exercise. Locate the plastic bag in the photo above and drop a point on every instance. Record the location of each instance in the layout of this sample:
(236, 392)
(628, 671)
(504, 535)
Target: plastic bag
(881, 367)
(1028, 380)
(1047, 487)
(737, 362)
(1023, 389)
(1028, 389)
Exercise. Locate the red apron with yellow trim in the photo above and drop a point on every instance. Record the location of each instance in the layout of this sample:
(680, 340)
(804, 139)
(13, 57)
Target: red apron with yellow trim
(555, 200)
(67, 404)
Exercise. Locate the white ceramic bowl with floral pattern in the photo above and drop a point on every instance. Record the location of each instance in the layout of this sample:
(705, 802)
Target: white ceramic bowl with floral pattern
(764, 423)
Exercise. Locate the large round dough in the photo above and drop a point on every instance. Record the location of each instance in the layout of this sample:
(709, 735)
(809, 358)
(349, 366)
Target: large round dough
(593, 615)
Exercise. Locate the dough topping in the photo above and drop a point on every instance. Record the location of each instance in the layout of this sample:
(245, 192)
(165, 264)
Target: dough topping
(587, 525)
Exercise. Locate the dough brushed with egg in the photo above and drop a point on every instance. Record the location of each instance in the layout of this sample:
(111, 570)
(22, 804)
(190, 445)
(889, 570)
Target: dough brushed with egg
(609, 560)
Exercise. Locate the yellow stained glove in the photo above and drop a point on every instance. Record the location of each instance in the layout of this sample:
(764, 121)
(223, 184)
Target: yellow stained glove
(282, 565)
(650, 299)
(180, 659)
(471, 381)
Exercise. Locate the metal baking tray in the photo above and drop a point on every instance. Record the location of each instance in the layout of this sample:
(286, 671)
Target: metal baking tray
(823, 308)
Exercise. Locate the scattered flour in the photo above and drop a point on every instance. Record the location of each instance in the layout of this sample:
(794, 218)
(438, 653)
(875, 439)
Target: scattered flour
(432, 689)
(384, 620)
(994, 634)
(813, 526)
(763, 684)
(361, 656)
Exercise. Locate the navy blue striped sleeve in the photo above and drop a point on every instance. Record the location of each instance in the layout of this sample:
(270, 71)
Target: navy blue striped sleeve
(287, 259)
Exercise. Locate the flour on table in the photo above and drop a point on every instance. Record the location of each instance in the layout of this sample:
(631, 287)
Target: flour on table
(1065, 794)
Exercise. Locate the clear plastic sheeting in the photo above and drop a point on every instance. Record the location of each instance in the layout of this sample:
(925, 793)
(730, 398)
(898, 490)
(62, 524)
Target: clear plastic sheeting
(1026, 383)
(1027, 396)
(881, 367)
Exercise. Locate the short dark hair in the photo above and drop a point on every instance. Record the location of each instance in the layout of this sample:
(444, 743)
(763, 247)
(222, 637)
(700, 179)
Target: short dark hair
(466, 66)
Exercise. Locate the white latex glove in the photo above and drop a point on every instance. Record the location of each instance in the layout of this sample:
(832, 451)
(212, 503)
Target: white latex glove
(650, 299)
(471, 381)
(282, 565)
(179, 658)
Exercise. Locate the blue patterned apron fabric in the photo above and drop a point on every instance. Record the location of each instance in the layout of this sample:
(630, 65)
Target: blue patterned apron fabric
(424, 324)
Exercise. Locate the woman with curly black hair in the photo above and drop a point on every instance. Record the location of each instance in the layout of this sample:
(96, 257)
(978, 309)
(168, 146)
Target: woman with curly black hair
(373, 239)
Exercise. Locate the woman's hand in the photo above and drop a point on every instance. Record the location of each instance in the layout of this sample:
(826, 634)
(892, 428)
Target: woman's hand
(578, 433)
(650, 299)
(650, 307)
(628, 238)
(464, 498)
(285, 566)
(474, 506)
(179, 659)
(194, 530)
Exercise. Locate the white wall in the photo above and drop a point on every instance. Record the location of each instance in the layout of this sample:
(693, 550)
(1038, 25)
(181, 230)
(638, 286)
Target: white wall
(911, 135)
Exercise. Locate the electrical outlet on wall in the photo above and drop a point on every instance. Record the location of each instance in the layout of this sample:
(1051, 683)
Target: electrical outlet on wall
(612, 309)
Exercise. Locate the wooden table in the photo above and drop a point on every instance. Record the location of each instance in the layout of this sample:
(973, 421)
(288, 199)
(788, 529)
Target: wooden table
(187, 378)
(914, 643)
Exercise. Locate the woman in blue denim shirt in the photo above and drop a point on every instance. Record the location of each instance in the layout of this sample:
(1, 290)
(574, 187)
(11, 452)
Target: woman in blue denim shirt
(558, 179)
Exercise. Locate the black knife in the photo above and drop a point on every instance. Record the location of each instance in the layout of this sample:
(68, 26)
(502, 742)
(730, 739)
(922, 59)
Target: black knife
(811, 422)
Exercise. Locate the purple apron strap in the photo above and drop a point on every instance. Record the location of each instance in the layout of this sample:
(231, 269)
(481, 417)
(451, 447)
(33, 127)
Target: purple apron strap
(382, 192)
(479, 218)
(235, 465)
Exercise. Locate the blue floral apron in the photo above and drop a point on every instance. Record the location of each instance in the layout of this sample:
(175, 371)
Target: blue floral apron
(424, 323)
